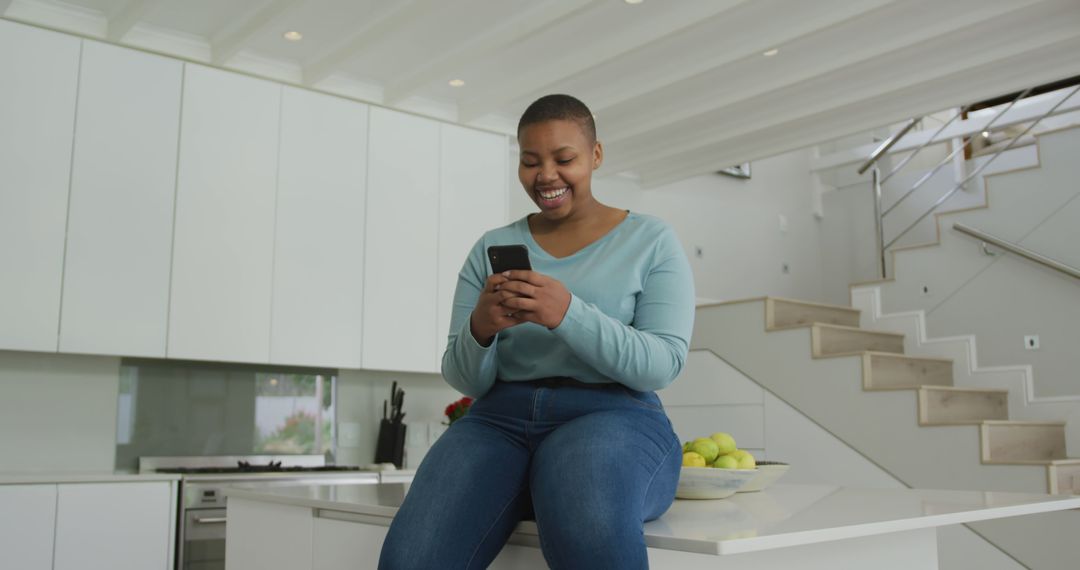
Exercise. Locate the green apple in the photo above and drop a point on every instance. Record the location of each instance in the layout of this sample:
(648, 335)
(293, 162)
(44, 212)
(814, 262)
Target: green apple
(691, 459)
(726, 462)
(705, 447)
(724, 441)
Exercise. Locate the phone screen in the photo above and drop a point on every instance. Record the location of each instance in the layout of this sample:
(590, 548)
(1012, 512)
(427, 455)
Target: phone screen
(508, 257)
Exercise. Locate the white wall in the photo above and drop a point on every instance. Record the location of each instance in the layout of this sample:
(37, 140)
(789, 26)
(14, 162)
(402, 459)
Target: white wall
(57, 412)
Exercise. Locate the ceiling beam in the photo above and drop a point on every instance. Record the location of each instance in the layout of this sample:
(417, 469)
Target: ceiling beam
(843, 87)
(385, 23)
(1031, 67)
(231, 40)
(448, 65)
(666, 107)
(728, 48)
(676, 17)
(124, 17)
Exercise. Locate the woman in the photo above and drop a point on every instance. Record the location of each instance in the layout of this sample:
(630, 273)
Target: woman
(563, 361)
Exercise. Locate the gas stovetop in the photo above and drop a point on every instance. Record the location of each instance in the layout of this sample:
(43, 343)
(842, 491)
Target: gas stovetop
(245, 467)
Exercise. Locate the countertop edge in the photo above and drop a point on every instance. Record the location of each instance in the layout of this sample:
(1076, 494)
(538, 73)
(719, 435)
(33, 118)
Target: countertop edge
(75, 477)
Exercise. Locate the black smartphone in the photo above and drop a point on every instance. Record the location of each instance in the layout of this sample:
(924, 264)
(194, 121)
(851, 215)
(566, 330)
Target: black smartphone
(508, 257)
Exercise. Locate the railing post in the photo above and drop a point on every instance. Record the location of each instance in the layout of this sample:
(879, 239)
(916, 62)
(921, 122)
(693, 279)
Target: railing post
(879, 235)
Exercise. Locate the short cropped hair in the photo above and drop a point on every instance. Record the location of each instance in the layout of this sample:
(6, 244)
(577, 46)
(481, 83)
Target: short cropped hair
(559, 107)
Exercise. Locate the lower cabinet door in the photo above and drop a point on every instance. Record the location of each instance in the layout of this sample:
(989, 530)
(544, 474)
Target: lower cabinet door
(27, 518)
(114, 526)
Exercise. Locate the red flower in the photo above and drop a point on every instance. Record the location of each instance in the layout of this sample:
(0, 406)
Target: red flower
(455, 410)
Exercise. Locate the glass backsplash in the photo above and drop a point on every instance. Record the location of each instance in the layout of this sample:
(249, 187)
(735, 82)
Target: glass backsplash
(169, 407)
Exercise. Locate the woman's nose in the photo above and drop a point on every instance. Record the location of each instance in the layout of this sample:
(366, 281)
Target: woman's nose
(546, 173)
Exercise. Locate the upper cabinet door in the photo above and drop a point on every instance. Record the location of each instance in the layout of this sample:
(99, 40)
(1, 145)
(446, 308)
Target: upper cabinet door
(401, 249)
(39, 74)
(472, 199)
(223, 245)
(119, 239)
(319, 251)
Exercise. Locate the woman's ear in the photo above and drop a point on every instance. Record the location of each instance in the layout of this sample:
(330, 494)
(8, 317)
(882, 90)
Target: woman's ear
(598, 155)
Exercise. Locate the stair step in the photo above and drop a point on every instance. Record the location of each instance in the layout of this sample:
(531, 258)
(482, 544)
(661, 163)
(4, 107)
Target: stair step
(1063, 477)
(1022, 443)
(783, 313)
(946, 405)
(891, 371)
(837, 340)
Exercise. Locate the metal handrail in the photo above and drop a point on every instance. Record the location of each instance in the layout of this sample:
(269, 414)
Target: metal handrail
(926, 143)
(889, 142)
(918, 184)
(1012, 142)
(1018, 249)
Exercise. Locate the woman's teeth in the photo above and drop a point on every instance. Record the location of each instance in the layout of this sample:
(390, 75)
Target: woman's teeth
(553, 194)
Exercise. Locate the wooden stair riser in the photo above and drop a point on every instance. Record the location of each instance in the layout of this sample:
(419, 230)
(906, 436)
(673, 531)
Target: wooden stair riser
(787, 313)
(898, 372)
(1064, 479)
(1022, 443)
(943, 406)
(834, 341)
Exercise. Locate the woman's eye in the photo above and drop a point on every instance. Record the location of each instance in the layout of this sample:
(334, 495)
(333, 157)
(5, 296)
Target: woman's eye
(528, 165)
(565, 161)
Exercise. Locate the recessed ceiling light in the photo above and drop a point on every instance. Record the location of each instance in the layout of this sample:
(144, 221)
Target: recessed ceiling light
(293, 36)
(457, 83)
(633, 2)
(986, 134)
(771, 52)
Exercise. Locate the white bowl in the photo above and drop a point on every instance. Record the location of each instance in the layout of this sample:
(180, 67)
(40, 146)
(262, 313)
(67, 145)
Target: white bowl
(711, 483)
(766, 475)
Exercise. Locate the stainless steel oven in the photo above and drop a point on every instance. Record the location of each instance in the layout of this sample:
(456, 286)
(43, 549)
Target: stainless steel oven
(200, 530)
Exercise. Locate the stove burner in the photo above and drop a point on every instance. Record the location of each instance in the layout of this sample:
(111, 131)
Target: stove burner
(245, 467)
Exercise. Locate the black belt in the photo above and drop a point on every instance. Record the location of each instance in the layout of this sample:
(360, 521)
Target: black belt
(566, 382)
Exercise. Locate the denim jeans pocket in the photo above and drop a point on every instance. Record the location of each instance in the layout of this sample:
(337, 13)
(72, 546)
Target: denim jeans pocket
(647, 399)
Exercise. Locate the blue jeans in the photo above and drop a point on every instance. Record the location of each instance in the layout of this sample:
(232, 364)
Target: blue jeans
(590, 463)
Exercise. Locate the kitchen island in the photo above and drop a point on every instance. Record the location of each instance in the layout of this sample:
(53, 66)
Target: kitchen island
(786, 526)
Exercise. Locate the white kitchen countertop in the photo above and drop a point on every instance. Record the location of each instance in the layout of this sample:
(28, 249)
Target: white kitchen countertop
(46, 477)
(781, 516)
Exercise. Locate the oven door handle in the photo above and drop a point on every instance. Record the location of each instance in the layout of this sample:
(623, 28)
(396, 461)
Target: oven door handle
(208, 520)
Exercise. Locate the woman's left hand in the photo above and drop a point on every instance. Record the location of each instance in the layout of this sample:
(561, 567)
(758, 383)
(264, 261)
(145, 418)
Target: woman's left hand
(540, 299)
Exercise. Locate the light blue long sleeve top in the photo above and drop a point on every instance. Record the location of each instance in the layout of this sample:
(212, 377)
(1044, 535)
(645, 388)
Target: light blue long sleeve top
(629, 321)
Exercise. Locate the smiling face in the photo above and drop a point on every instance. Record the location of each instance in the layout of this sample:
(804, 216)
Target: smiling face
(557, 161)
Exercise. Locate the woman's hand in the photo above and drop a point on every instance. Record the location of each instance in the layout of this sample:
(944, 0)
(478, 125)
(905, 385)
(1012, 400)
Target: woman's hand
(490, 316)
(534, 297)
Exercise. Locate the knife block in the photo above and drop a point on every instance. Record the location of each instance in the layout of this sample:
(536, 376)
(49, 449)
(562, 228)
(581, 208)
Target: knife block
(390, 447)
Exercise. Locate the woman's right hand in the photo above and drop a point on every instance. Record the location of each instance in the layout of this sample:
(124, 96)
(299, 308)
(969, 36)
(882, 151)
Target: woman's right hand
(489, 317)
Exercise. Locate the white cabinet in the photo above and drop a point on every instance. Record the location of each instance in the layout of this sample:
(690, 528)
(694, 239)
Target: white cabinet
(267, 536)
(27, 519)
(319, 250)
(401, 251)
(39, 73)
(224, 231)
(114, 526)
(119, 237)
(472, 200)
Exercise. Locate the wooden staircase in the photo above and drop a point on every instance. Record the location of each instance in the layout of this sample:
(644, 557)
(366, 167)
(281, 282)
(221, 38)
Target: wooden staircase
(835, 333)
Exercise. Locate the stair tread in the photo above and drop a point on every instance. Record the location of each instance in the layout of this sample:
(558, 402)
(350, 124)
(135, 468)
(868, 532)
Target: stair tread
(857, 329)
(907, 356)
(1022, 423)
(815, 304)
(964, 389)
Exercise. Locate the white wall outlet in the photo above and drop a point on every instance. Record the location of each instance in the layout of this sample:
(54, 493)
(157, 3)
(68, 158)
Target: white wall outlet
(348, 434)
(1031, 342)
(783, 223)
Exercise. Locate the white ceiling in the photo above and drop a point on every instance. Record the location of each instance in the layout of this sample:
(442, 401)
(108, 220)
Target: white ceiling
(679, 87)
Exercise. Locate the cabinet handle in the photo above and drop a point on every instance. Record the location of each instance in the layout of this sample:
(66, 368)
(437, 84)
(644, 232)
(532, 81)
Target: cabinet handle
(209, 520)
